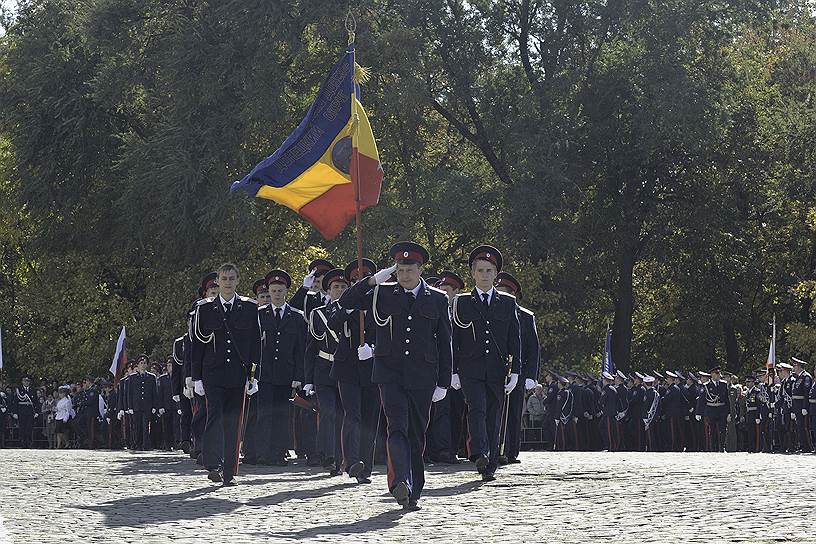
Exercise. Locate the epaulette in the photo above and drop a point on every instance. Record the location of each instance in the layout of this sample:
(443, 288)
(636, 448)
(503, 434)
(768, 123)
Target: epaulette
(264, 307)
(150, 373)
(440, 291)
(247, 299)
(179, 338)
(203, 301)
(526, 311)
(296, 310)
(503, 294)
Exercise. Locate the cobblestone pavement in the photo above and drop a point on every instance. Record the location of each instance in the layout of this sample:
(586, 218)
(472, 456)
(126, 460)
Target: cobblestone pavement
(112, 497)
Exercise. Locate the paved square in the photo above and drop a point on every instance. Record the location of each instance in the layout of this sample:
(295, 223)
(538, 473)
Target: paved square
(112, 497)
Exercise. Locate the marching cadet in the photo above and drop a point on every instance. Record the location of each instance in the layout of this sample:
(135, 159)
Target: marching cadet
(786, 418)
(167, 406)
(412, 360)
(801, 390)
(609, 405)
(142, 402)
(181, 395)
(486, 356)
(651, 408)
(283, 338)
(564, 404)
(208, 290)
(311, 294)
(753, 419)
(321, 346)
(717, 409)
(26, 408)
(225, 344)
(352, 368)
(530, 353)
(447, 430)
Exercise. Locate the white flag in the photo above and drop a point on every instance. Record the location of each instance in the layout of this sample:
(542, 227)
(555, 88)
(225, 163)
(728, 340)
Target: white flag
(772, 349)
(120, 348)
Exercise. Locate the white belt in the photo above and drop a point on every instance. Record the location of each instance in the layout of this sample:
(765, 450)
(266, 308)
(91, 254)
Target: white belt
(751, 409)
(715, 404)
(798, 397)
(324, 355)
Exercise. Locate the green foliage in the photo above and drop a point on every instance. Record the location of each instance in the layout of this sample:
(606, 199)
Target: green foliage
(646, 165)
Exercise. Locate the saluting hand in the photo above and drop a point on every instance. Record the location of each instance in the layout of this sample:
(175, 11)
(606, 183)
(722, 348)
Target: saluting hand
(308, 280)
(383, 275)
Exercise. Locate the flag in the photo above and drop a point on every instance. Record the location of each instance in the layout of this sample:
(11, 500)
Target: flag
(119, 358)
(314, 169)
(608, 365)
(772, 350)
(1, 348)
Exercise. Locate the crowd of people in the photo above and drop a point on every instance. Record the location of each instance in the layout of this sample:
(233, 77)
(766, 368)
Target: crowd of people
(355, 369)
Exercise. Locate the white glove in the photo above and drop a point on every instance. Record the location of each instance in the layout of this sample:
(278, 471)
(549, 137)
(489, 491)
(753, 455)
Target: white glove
(3, 410)
(188, 392)
(529, 384)
(756, 421)
(176, 398)
(439, 394)
(188, 383)
(198, 387)
(384, 274)
(15, 416)
(793, 416)
(621, 415)
(152, 410)
(130, 411)
(455, 383)
(698, 418)
(253, 388)
(511, 383)
(161, 411)
(308, 389)
(804, 411)
(178, 411)
(296, 384)
(645, 421)
(364, 352)
(108, 420)
(308, 280)
(120, 415)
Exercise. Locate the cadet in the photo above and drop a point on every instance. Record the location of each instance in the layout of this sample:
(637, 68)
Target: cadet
(351, 368)
(261, 291)
(486, 356)
(167, 406)
(321, 346)
(530, 352)
(609, 405)
(447, 430)
(717, 409)
(311, 295)
(675, 408)
(142, 402)
(752, 415)
(283, 338)
(635, 413)
(800, 393)
(785, 416)
(181, 394)
(651, 408)
(412, 360)
(25, 411)
(208, 290)
(563, 414)
(226, 343)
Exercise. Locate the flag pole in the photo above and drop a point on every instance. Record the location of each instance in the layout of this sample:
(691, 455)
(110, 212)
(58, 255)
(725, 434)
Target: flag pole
(351, 26)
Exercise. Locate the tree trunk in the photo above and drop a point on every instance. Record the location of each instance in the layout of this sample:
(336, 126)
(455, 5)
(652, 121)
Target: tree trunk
(624, 308)
(732, 360)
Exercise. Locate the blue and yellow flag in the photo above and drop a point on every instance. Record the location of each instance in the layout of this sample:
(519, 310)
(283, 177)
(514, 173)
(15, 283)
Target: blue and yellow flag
(315, 171)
